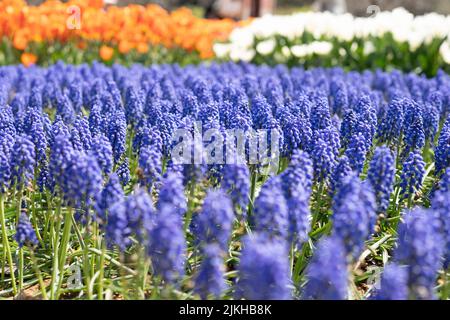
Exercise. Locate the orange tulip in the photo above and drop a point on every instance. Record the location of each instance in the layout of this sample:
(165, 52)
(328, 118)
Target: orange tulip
(142, 47)
(106, 53)
(124, 46)
(82, 45)
(28, 59)
(20, 41)
(130, 27)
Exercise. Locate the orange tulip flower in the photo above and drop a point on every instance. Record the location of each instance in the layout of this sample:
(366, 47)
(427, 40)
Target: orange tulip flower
(142, 47)
(28, 59)
(106, 53)
(20, 41)
(130, 27)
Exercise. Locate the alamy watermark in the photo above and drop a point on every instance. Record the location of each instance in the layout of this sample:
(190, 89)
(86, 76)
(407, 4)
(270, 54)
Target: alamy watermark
(230, 146)
(73, 21)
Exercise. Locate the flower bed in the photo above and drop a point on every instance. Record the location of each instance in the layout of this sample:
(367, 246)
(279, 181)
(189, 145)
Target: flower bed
(84, 30)
(389, 40)
(356, 183)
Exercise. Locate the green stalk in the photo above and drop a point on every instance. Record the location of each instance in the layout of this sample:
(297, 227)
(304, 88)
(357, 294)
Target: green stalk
(86, 270)
(6, 246)
(38, 275)
(190, 207)
(3, 263)
(20, 269)
(143, 265)
(102, 271)
(254, 178)
(78, 232)
(34, 220)
(292, 253)
(95, 259)
(410, 201)
(55, 271)
(19, 205)
(299, 263)
(113, 261)
(86, 262)
(316, 214)
(48, 218)
(64, 246)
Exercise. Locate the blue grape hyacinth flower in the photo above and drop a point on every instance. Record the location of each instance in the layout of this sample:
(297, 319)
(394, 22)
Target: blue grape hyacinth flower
(210, 278)
(381, 176)
(323, 282)
(167, 246)
(263, 269)
(420, 247)
(25, 234)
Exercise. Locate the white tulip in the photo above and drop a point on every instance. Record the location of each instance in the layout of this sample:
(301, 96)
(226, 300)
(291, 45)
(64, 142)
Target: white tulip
(445, 52)
(222, 50)
(300, 50)
(286, 51)
(405, 28)
(266, 47)
(320, 47)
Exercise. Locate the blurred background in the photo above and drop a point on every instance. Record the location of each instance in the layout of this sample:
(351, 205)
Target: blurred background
(241, 9)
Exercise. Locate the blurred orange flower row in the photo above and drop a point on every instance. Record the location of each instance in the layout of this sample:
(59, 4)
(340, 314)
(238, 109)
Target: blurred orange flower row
(131, 27)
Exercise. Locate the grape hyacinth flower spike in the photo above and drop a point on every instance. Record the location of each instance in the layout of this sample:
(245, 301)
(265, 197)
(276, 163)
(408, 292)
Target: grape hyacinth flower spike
(263, 269)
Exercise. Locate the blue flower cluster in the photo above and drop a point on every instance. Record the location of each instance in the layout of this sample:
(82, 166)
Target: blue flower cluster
(263, 270)
(420, 248)
(102, 139)
(25, 234)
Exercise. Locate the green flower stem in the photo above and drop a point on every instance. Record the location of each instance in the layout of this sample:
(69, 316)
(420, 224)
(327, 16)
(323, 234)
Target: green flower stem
(143, 266)
(32, 196)
(48, 218)
(254, 179)
(19, 205)
(316, 214)
(100, 294)
(96, 244)
(191, 205)
(3, 263)
(299, 263)
(411, 200)
(35, 225)
(55, 271)
(6, 246)
(87, 266)
(65, 237)
(292, 254)
(38, 275)
(78, 233)
(20, 269)
(64, 246)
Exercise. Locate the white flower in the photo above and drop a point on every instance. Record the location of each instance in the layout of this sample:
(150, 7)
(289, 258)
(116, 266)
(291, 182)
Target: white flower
(414, 41)
(300, 50)
(320, 47)
(286, 51)
(243, 37)
(445, 52)
(242, 54)
(222, 50)
(368, 47)
(405, 28)
(266, 47)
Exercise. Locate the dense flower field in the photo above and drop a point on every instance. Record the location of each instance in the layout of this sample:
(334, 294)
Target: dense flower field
(390, 39)
(84, 30)
(95, 205)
